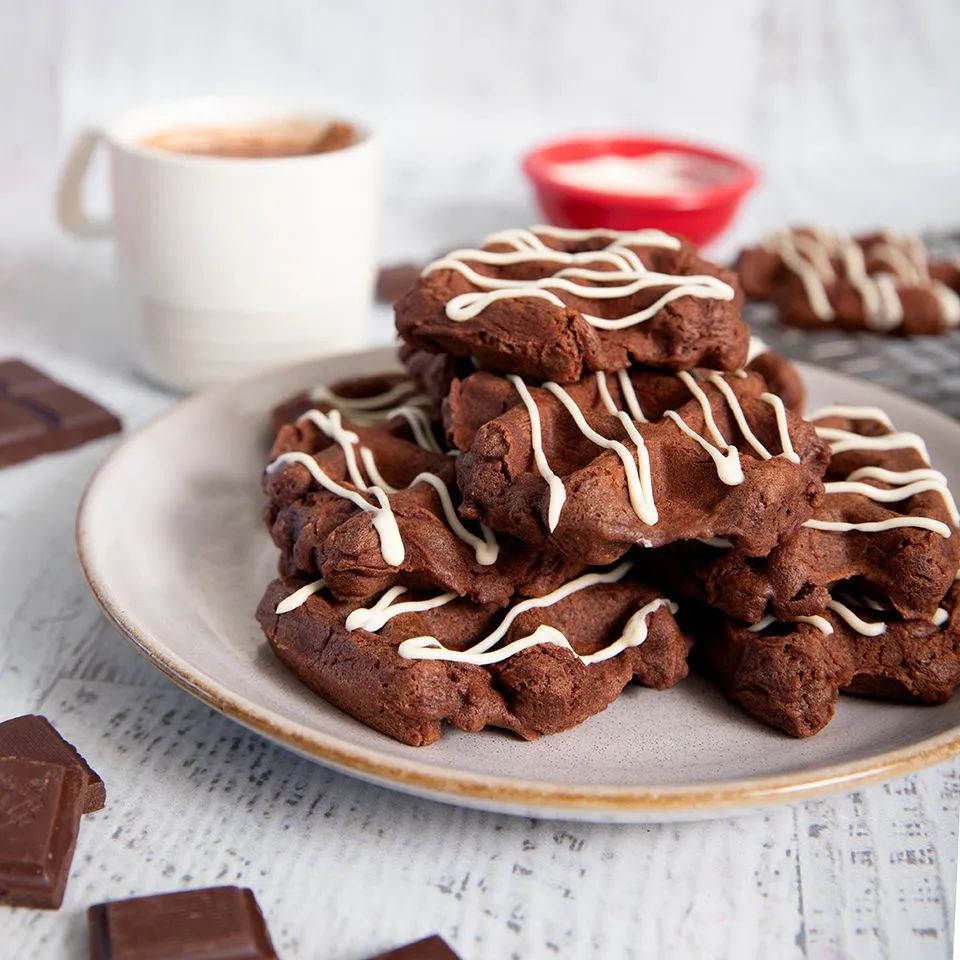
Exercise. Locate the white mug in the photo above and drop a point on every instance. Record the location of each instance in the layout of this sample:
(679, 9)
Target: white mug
(232, 264)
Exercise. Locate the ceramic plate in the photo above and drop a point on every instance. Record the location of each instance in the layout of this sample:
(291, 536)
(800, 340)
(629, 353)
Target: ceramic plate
(188, 484)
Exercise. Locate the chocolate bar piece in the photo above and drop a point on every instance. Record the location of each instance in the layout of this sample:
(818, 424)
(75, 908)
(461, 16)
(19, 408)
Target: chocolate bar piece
(40, 806)
(35, 738)
(39, 415)
(430, 948)
(394, 280)
(211, 924)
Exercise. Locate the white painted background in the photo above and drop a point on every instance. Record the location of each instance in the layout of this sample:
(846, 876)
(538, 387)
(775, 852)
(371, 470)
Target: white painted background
(852, 107)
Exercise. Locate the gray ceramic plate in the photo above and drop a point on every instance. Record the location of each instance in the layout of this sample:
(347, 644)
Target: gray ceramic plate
(188, 483)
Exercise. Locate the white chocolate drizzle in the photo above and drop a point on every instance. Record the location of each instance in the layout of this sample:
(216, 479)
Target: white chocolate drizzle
(725, 456)
(842, 441)
(384, 522)
(630, 396)
(903, 483)
(877, 526)
(556, 491)
(628, 273)
(848, 412)
(402, 390)
(486, 548)
(940, 617)
(780, 413)
(637, 470)
(821, 623)
(385, 609)
(865, 628)
(486, 651)
(299, 597)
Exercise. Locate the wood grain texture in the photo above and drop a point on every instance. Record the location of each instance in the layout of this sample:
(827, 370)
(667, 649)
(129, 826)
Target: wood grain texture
(848, 107)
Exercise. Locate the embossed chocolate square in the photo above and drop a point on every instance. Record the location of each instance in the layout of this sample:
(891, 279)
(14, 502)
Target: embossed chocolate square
(40, 807)
(210, 924)
(32, 737)
(430, 948)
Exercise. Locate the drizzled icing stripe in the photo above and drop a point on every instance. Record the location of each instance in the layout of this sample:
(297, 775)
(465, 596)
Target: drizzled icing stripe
(373, 618)
(904, 483)
(520, 237)
(893, 494)
(843, 440)
(725, 456)
(940, 617)
(466, 306)
(626, 389)
(876, 526)
(555, 488)
(323, 394)
(486, 549)
(299, 597)
(865, 628)
(849, 412)
(485, 651)
(528, 248)
(630, 396)
(780, 413)
(639, 486)
(821, 623)
(384, 522)
(634, 634)
(419, 425)
(604, 392)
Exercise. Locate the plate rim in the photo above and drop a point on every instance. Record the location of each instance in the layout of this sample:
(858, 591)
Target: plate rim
(503, 794)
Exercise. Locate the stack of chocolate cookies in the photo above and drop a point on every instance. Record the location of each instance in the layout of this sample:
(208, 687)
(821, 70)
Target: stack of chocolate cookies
(588, 475)
(885, 282)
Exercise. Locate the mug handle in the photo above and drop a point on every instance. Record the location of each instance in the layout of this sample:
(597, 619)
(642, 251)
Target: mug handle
(70, 207)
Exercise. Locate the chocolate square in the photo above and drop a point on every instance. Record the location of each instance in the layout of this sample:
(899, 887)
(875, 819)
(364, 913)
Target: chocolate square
(34, 738)
(211, 924)
(40, 415)
(430, 948)
(40, 806)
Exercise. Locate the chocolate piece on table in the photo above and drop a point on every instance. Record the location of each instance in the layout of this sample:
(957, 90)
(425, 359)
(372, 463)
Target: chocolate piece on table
(394, 280)
(40, 806)
(211, 924)
(430, 948)
(39, 415)
(34, 738)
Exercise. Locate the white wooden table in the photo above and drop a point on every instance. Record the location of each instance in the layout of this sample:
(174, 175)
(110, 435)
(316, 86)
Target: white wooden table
(343, 869)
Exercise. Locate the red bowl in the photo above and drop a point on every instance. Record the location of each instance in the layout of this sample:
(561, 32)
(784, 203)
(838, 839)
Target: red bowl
(701, 214)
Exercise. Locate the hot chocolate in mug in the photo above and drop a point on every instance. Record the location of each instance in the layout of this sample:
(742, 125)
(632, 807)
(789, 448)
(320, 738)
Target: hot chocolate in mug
(245, 232)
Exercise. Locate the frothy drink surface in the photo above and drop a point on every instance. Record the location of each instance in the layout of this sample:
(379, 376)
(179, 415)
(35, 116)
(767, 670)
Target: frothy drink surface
(288, 139)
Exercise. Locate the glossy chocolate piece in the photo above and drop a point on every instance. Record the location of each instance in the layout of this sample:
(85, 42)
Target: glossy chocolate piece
(34, 738)
(39, 415)
(430, 948)
(394, 280)
(40, 806)
(216, 923)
